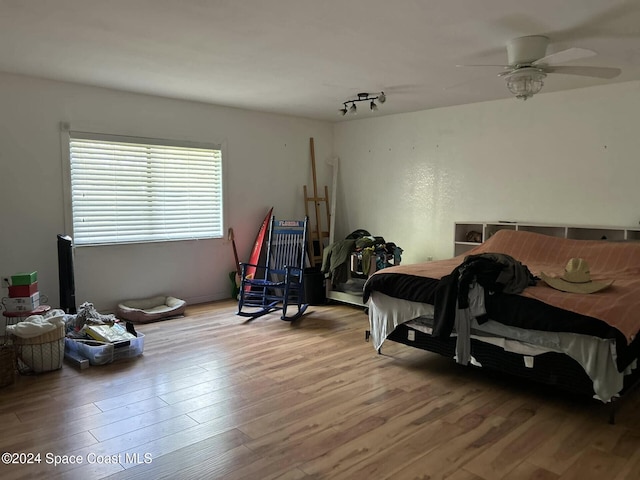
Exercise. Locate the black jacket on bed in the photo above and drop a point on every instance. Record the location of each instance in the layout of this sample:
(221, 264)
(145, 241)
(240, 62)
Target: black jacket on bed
(496, 272)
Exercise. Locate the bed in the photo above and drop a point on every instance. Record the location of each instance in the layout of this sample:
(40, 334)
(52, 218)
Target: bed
(584, 343)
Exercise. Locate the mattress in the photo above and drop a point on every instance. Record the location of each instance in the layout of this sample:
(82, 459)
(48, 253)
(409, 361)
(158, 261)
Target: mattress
(596, 356)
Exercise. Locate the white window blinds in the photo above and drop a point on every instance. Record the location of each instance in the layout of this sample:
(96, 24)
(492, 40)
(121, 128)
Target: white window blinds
(127, 190)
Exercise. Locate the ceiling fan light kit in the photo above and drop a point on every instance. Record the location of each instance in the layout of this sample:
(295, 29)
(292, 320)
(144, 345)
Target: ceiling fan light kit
(529, 64)
(363, 97)
(525, 84)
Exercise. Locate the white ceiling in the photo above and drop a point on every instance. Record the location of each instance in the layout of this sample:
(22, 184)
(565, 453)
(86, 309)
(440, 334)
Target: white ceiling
(306, 57)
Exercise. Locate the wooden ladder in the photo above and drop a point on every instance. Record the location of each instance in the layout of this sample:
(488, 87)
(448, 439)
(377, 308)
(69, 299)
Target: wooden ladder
(316, 235)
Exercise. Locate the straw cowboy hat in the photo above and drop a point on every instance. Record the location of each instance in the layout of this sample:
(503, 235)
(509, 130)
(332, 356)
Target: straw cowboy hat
(576, 278)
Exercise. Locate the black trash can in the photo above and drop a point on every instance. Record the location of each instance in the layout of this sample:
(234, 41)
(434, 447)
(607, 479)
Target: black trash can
(314, 288)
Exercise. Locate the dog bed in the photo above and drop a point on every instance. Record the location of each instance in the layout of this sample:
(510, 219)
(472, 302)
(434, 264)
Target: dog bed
(150, 309)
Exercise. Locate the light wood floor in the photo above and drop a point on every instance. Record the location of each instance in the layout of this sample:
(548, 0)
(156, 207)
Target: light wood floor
(214, 397)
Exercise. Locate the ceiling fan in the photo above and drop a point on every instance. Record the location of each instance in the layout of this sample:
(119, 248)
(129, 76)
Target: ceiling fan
(528, 65)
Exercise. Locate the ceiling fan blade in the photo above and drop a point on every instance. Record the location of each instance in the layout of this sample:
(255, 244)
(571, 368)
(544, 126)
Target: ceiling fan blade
(565, 56)
(598, 72)
(486, 65)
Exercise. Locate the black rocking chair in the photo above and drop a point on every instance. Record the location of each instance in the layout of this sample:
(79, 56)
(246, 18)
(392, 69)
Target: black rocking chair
(279, 283)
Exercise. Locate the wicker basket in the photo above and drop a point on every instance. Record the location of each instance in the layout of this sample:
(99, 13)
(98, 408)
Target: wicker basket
(7, 365)
(43, 353)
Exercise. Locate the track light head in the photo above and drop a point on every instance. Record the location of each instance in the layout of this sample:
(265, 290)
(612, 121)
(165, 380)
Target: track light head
(344, 110)
(382, 97)
(373, 106)
(353, 110)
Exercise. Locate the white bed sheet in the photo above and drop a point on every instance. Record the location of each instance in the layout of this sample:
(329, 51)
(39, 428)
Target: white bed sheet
(596, 355)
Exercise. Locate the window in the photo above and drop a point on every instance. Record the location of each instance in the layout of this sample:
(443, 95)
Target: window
(126, 189)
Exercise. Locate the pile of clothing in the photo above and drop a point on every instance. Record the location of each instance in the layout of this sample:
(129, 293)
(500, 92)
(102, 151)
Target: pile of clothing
(37, 325)
(337, 256)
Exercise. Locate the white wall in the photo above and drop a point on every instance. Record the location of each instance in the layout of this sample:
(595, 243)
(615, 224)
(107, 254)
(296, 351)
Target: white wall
(559, 157)
(267, 164)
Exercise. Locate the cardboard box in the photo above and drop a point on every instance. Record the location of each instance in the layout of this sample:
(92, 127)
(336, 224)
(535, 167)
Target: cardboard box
(22, 304)
(24, 278)
(16, 291)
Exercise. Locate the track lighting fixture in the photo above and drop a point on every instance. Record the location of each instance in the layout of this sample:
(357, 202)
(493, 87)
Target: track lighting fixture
(363, 97)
